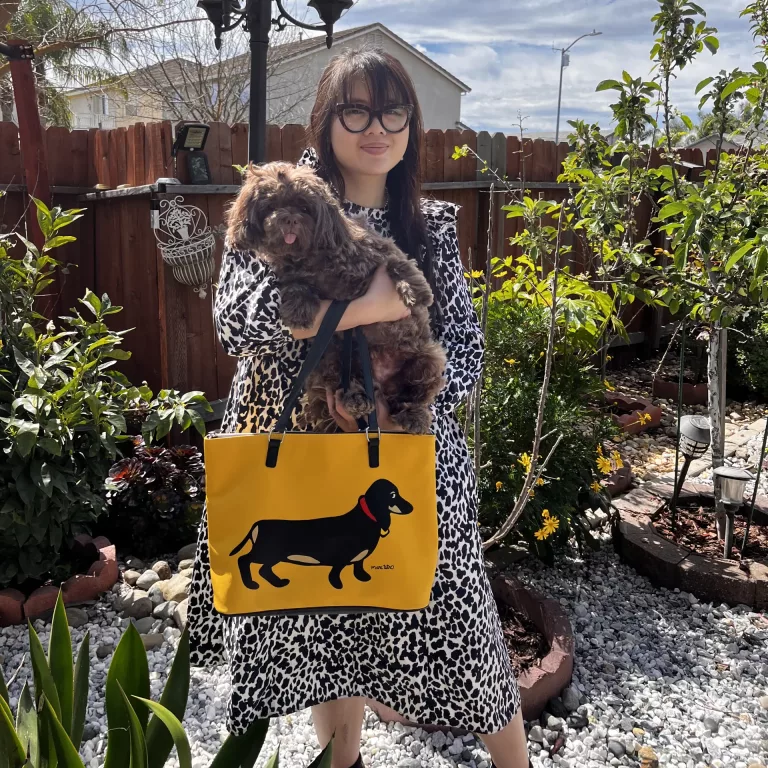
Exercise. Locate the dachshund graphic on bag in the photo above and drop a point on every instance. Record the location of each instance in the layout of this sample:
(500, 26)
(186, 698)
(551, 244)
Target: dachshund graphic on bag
(328, 541)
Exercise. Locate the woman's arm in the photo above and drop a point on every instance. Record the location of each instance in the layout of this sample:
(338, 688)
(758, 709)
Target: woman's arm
(461, 335)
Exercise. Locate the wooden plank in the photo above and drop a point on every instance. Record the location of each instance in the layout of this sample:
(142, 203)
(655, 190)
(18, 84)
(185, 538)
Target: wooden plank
(526, 160)
(139, 161)
(59, 151)
(113, 153)
(154, 164)
(513, 157)
(539, 167)
(469, 163)
(452, 167)
(101, 156)
(121, 147)
(130, 155)
(484, 149)
(79, 143)
(166, 133)
(93, 167)
(213, 150)
(294, 142)
(10, 167)
(468, 225)
(240, 144)
(423, 156)
(562, 152)
(226, 171)
(435, 141)
(78, 257)
(499, 153)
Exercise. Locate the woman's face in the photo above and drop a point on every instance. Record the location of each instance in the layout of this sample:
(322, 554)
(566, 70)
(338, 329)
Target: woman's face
(374, 152)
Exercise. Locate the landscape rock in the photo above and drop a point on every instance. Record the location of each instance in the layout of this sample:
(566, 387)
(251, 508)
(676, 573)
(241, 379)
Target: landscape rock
(136, 605)
(131, 577)
(185, 564)
(162, 569)
(165, 610)
(104, 650)
(147, 579)
(176, 588)
(187, 552)
(135, 564)
(155, 594)
(144, 626)
(77, 617)
(180, 614)
(570, 697)
(152, 641)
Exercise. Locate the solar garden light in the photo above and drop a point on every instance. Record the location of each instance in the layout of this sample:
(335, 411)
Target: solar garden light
(695, 438)
(733, 483)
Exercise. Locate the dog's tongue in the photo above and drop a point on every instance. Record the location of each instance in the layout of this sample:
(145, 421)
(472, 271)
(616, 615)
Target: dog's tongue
(290, 238)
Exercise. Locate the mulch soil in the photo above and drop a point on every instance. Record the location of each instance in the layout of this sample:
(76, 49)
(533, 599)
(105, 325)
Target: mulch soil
(696, 530)
(526, 645)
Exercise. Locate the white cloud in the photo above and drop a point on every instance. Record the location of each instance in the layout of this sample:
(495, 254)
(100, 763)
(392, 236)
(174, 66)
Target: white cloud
(506, 55)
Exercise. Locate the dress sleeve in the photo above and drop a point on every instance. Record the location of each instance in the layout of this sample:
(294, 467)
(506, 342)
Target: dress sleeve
(460, 332)
(206, 637)
(247, 307)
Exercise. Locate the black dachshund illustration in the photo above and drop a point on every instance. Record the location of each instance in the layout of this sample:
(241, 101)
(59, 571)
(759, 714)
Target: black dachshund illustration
(330, 541)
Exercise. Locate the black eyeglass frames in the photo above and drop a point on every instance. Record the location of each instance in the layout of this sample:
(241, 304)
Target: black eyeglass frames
(356, 118)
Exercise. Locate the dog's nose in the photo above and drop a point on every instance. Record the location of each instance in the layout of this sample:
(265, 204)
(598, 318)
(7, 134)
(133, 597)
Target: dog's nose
(292, 220)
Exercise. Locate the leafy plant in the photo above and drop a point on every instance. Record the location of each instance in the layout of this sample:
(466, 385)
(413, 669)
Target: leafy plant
(155, 498)
(142, 733)
(516, 339)
(62, 409)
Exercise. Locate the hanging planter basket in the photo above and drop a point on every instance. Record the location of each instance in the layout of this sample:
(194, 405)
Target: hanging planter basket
(186, 243)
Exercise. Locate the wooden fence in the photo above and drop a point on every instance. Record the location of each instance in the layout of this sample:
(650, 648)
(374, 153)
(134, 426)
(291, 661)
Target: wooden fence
(112, 174)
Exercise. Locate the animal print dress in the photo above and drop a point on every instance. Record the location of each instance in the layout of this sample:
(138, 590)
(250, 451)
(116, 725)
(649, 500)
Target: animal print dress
(445, 665)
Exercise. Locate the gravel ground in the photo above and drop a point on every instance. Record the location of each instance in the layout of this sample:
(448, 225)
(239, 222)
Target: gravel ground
(689, 678)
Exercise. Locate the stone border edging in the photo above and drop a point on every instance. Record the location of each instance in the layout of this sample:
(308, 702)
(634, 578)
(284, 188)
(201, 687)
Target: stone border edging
(537, 684)
(101, 576)
(669, 565)
(629, 422)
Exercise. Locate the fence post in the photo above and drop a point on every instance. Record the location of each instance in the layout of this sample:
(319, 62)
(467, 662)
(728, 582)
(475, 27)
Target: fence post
(31, 139)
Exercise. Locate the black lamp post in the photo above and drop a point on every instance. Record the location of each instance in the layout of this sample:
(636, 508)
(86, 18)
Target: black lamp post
(256, 17)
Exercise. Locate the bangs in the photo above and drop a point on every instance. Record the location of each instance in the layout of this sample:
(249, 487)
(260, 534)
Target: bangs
(383, 84)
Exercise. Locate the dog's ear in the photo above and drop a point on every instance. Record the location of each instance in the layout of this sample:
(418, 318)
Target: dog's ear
(332, 226)
(246, 230)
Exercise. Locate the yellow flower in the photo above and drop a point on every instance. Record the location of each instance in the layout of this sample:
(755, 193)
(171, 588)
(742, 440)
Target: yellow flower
(525, 460)
(596, 487)
(511, 361)
(531, 493)
(552, 524)
(608, 358)
(475, 273)
(604, 465)
(540, 481)
(609, 386)
(616, 456)
(499, 485)
(599, 450)
(459, 152)
(644, 418)
(541, 534)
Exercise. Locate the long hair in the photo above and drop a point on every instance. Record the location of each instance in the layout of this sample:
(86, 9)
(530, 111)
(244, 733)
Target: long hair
(387, 83)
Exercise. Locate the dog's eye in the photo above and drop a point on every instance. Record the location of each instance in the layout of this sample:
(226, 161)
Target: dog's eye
(394, 495)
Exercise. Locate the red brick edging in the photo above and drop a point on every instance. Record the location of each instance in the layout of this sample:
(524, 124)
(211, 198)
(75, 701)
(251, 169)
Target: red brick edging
(635, 406)
(666, 564)
(101, 576)
(537, 684)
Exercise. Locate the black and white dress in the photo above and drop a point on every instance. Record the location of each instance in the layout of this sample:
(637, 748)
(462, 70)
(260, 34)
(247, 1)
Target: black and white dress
(445, 665)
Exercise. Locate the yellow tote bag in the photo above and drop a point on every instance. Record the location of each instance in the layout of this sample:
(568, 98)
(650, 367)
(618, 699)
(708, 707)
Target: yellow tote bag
(302, 522)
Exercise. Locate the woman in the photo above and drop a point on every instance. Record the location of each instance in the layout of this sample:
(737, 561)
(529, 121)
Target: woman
(447, 664)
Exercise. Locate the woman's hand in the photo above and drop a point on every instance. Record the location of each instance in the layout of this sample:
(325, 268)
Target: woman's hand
(348, 424)
(382, 300)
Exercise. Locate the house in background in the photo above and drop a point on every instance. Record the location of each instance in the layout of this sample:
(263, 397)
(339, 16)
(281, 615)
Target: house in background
(290, 87)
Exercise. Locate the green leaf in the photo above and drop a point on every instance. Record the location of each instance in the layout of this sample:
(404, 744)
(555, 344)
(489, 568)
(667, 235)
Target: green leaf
(80, 696)
(712, 43)
(734, 85)
(10, 743)
(242, 751)
(274, 761)
(737, 256)
(92, 301)
(687, 122)
(607, 84)
(138, 745)
(26, 365)
(670, 209)
(60, 661)
(67, 754)
(43, 217)
(128, 674)
(27, 725)
(175, 731)
(323, 760)
(174, 700)
(57, 242)
(44, 684)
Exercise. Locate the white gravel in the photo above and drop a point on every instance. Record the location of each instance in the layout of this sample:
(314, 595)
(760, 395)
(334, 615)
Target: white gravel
(692, 676)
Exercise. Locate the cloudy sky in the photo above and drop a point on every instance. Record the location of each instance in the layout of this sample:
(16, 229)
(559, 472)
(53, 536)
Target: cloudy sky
(503, 50)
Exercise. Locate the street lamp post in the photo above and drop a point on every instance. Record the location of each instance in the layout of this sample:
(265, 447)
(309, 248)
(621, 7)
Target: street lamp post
(256, 18)
(565, 60)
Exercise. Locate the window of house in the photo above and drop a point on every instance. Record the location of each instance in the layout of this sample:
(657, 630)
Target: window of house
(214, 94)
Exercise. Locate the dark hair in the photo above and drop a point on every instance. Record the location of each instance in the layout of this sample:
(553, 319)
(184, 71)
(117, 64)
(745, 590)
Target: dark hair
(388, 83)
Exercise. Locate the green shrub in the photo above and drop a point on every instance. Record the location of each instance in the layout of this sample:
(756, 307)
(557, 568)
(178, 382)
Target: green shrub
(50, 716)
(748, 356)
(62, 410)
(516, 340)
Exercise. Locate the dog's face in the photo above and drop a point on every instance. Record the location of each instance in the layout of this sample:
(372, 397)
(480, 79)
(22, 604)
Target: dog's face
(284, 210)
(384, 500)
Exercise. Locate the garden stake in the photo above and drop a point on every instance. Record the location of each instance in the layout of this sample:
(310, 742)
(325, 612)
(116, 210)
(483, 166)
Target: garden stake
(684, 472)
(757, 485)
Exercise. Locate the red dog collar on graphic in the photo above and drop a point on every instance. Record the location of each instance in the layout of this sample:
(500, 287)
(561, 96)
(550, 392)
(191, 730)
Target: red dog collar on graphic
(364, 506)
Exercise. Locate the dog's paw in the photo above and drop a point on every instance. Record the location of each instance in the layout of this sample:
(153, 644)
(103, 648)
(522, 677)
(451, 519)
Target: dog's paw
(406, 293)
(417, 420)
(298, 306)
(356, 401)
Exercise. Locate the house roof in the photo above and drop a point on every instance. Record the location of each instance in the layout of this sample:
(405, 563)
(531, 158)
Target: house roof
(300, 48)
(170, 69)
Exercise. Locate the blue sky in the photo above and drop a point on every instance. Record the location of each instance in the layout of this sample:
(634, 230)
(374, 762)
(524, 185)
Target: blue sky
(503, 50)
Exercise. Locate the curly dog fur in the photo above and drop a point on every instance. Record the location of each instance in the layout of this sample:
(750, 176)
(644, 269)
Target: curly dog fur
(290, 217)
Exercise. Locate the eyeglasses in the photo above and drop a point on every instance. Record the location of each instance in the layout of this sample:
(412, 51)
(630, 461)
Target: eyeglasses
(357, 118)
